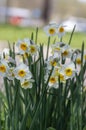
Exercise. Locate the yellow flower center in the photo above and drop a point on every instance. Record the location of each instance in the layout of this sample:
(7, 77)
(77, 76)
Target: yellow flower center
(51, 31)
(2, 68)
(68, 71)
(25, 84)
(53, 63)
(84, 88)
(25, 55)
(21, 73)
(57, 49)
(85, 57)
(56, 71)
(61, 29)
(65, 53)
(23, 46)
(78, 61)
(32, 49)
(61, 77)
(52, 80)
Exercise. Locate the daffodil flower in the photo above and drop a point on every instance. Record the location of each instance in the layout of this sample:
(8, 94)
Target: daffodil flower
(66, 52)
(33, 49)
(68, 70)
(56, 73)
(51, 29)
(3, 68)
(22, 72)
(27, 83)
(5, 52)
(56, 70)
(23, 45)
(61, 76)
(10, 73)
(58, 48)
(53, 82)
(5, 55)
(52, 62)
(61, 31)
(77, 59)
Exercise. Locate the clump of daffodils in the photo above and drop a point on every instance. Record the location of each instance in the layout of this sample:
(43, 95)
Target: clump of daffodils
(63, 60)
(43, 85)
(64, 67)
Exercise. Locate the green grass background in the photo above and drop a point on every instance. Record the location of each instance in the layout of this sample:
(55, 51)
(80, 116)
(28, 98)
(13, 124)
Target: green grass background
(14, 33)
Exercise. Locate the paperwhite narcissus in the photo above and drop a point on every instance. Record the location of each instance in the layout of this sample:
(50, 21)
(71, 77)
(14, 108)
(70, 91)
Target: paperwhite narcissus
(77, 59)
(10, 73)
(33, 49)
(23, 45)
(53, 82)
(51, 29)
(61, 31)
(6, 55)
(68, 70)
(62, 77)
(59, 47)
(27, 83)
(52, 62)
(22, 72)
(66, 53)
(3, 68)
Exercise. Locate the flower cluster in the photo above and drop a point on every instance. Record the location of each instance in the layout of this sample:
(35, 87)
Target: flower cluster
(63, 60)
(54, 29)
(8, 68)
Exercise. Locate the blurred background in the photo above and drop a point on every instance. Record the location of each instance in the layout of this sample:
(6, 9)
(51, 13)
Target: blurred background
(33, 13)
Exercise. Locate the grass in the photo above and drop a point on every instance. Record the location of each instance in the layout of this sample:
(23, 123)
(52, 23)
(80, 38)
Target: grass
(13, 33)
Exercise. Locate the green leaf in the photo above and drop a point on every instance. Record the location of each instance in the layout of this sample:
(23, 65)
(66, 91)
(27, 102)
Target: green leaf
(2, 96)
(71, 35)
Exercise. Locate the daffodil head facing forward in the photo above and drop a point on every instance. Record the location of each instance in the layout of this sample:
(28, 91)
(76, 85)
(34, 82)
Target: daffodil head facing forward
(22, 72)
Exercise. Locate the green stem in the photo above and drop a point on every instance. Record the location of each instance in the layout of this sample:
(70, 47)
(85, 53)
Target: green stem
(48, 48)
(71, 35)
